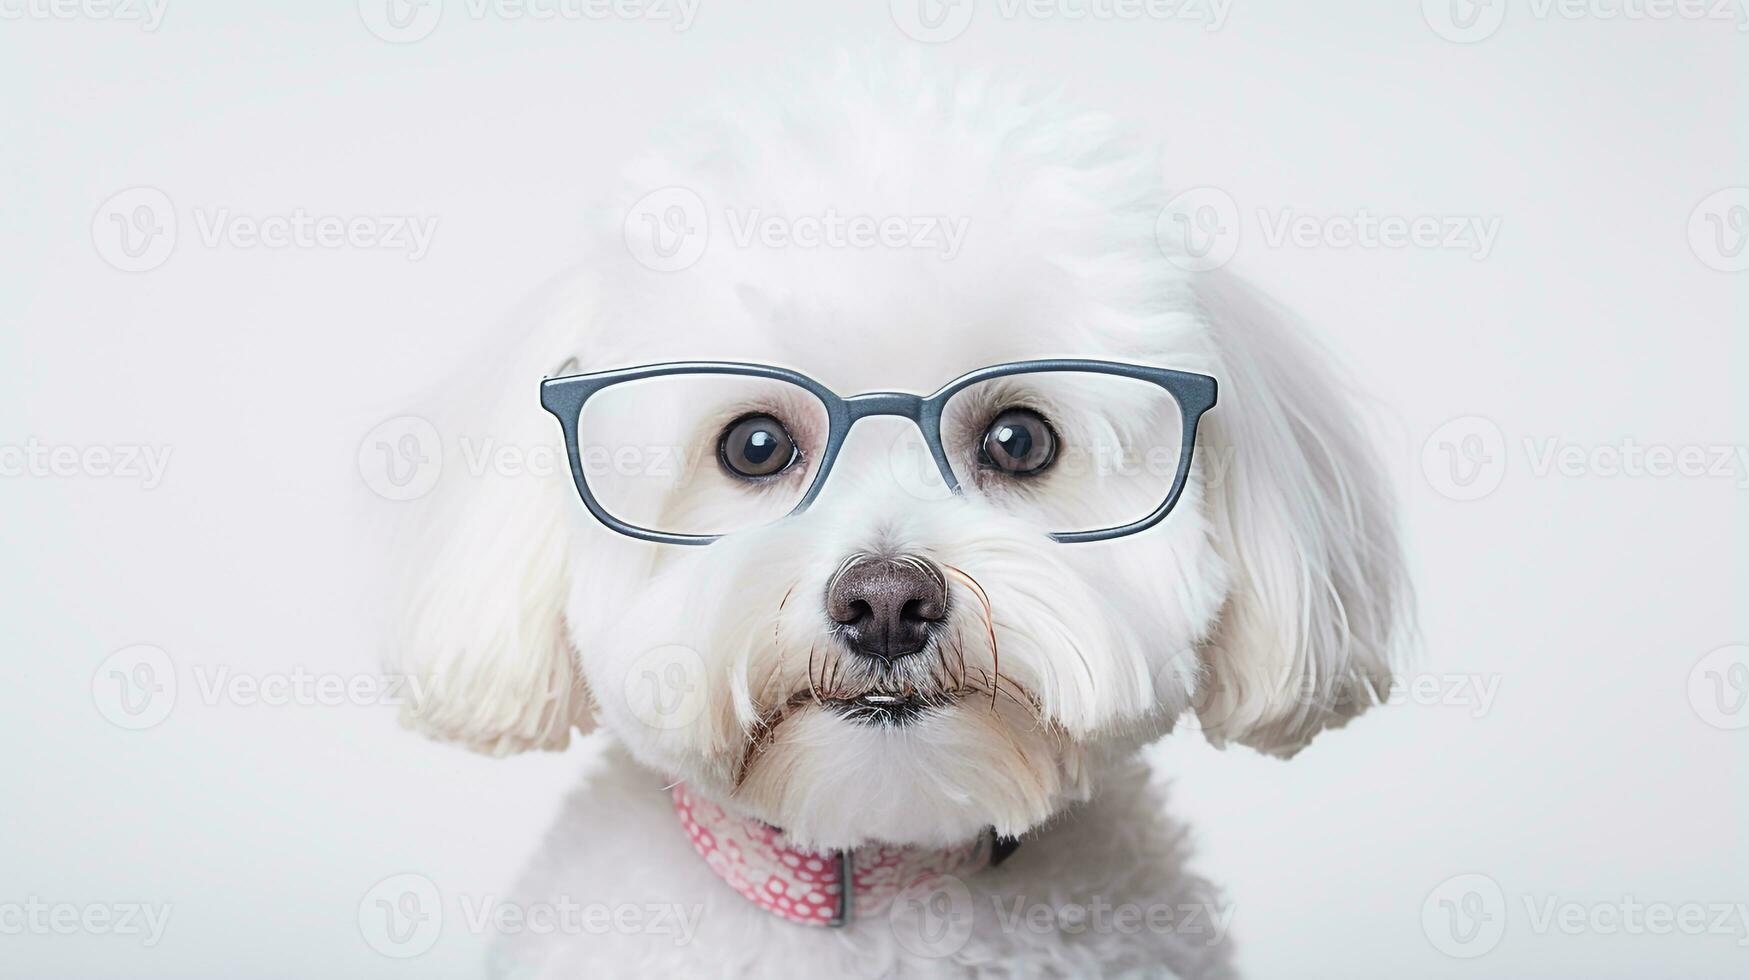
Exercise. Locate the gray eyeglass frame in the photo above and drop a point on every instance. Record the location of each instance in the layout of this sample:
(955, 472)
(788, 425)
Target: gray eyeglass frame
(564, 397)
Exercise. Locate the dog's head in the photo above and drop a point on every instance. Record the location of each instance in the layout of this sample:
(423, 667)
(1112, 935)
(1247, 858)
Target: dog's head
(899, 662)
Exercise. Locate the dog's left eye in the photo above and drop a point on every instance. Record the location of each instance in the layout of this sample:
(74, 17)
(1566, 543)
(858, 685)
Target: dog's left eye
(1019, 442)
(756, 446)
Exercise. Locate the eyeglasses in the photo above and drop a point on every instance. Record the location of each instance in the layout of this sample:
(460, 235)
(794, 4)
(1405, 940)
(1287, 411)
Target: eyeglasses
(686, 452)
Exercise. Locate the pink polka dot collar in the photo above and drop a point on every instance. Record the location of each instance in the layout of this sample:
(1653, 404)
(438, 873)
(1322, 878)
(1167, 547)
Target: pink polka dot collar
(808, 886)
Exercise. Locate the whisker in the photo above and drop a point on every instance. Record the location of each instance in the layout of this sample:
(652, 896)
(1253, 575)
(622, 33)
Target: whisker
(989, 622)
(765, 732)
(775, 677)
(1012, 690)
(1026, 706)
(777, 621)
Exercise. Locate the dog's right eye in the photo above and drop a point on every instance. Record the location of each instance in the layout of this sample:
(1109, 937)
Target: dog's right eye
(1018, 442)
(756, 446)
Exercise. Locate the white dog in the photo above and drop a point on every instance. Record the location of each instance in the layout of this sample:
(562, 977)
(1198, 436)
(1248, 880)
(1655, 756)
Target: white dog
(896, 681)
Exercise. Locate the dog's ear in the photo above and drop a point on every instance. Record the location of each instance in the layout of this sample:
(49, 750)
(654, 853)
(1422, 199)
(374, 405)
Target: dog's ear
(1302, 514)
(485, 558)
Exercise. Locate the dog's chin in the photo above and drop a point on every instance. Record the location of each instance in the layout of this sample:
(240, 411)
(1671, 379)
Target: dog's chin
(923, 767)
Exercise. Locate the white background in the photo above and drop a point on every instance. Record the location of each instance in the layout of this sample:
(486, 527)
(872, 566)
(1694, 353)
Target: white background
(1592, 778)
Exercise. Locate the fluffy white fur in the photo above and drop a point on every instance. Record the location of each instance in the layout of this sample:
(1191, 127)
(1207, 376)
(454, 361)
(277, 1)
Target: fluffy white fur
(1267, 605)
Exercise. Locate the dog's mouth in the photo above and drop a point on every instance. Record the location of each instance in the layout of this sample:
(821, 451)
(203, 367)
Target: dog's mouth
(893, 694)
(890, 707)
(875, 708)
(890, 710)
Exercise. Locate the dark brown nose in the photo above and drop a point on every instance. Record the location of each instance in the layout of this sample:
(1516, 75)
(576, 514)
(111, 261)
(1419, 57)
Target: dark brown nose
(886, 606)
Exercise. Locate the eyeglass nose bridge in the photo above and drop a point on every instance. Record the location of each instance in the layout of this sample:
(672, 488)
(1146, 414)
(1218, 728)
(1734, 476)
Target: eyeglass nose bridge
(886, 403)
(924, 413)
